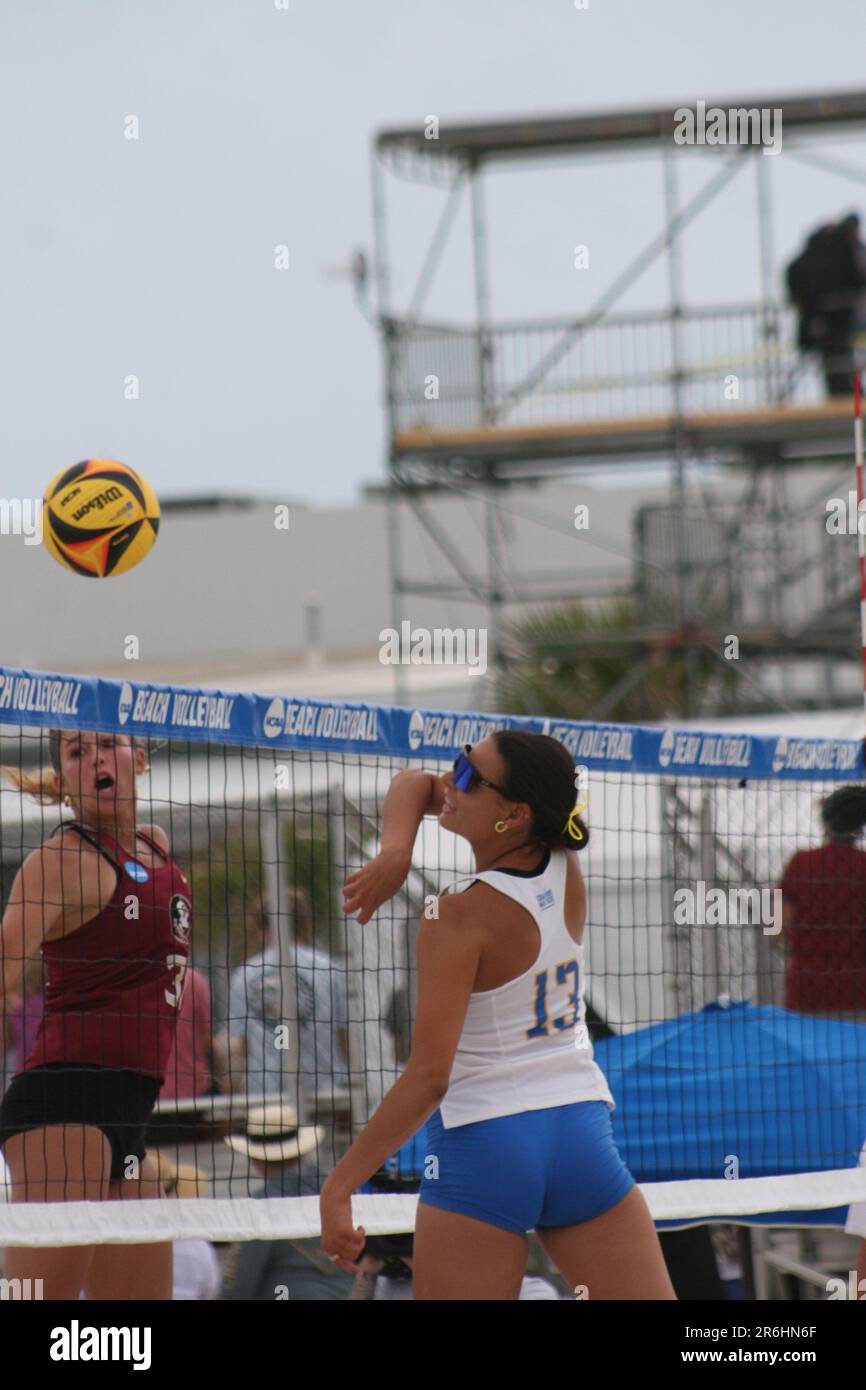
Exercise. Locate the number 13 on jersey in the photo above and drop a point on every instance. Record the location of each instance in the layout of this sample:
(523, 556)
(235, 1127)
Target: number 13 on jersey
(564, 1021)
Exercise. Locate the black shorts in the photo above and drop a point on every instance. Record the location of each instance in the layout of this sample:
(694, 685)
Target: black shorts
(117, 1102)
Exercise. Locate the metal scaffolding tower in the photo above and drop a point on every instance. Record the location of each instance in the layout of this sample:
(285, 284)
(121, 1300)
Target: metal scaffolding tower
(475, 408)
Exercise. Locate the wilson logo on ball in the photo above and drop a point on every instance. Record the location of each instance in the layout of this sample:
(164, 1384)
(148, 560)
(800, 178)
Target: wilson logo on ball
(112, 494)
(100, 518)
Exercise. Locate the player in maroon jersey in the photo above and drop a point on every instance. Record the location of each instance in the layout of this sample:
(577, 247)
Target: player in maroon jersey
(110, 911)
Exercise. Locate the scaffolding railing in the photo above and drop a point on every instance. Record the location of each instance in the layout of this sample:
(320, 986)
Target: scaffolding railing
(717, 358)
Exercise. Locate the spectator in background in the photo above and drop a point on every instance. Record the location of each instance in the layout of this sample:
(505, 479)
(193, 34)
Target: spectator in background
(284, 1154)
(323, 1008)
(196, 1267)
(824, 914)
(249, 1057)
(825, 283)
(255, 1061)
(230, 1046)
(188, 1071)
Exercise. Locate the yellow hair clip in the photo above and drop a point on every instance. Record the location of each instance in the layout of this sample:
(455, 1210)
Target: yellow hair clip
(573, 826)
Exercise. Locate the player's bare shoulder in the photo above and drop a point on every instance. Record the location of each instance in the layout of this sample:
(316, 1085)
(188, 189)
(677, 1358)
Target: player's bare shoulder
(474, 912)
(70, 872)
(454, 911)
(450, 932)
(66, 851)
(158, 835)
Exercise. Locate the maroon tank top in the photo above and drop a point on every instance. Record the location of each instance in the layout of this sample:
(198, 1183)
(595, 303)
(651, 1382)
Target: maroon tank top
(113, 987)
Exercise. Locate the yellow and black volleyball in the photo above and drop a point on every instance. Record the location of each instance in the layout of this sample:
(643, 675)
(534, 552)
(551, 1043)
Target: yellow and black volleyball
(100, 518)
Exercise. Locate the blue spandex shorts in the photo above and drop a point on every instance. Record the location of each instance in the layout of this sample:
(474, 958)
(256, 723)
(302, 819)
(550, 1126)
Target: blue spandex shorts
(524, 1172)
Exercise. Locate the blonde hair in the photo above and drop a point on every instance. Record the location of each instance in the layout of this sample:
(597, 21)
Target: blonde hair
(43, 785)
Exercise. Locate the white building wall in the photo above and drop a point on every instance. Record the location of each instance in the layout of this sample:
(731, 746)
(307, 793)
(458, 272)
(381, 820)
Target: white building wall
(223, 587)
(224, 592)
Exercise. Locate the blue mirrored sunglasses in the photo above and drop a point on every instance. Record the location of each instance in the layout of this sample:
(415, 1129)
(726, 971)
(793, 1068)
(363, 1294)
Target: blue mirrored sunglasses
(466, 776)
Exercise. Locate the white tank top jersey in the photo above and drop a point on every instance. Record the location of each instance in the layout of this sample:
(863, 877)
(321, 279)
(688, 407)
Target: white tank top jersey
(525, 1045)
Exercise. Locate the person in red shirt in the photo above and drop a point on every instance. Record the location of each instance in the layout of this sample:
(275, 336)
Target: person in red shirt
(824, 913)
(110, 912)
(188, 1071)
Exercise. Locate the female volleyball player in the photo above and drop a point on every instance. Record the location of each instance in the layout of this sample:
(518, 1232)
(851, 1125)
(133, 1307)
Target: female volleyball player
(109, 909)
(519, 1133)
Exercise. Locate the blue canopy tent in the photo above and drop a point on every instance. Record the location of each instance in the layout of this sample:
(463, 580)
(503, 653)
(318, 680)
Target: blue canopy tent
(785, 1093)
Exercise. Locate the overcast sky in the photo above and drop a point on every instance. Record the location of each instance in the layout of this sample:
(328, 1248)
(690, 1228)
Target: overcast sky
(155, 257)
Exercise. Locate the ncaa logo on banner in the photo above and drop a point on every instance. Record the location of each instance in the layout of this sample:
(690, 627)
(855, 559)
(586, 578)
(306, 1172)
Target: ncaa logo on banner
(666, 748)
(275, 718)
(780, 754)
(416, 729)
(124, 707)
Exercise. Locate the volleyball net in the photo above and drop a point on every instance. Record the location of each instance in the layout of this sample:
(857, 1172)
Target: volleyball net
(732, 1033)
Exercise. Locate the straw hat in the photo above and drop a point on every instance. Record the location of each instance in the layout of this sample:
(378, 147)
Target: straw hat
(273, 1134)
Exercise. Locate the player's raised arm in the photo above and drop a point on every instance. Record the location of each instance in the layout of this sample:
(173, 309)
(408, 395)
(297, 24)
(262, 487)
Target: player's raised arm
(412, 795)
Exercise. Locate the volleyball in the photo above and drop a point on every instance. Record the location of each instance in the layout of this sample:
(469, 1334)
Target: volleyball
(100, 518)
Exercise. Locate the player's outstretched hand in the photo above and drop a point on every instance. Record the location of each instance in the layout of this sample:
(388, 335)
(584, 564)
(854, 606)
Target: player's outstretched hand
(371, 886)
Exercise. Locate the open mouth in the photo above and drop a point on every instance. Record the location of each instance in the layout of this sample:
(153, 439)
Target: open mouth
(448, 805)
(104, 783)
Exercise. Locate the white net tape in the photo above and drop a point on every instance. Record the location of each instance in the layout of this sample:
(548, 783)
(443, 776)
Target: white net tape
(297, 1218)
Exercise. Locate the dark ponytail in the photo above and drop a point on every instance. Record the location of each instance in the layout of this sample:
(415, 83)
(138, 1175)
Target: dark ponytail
(540, 771)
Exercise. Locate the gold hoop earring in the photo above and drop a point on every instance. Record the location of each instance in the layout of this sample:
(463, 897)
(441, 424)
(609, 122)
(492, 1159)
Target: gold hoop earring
(500, 826)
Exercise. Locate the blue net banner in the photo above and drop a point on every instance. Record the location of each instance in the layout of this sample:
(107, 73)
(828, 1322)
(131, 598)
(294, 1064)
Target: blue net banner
(217, 716)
